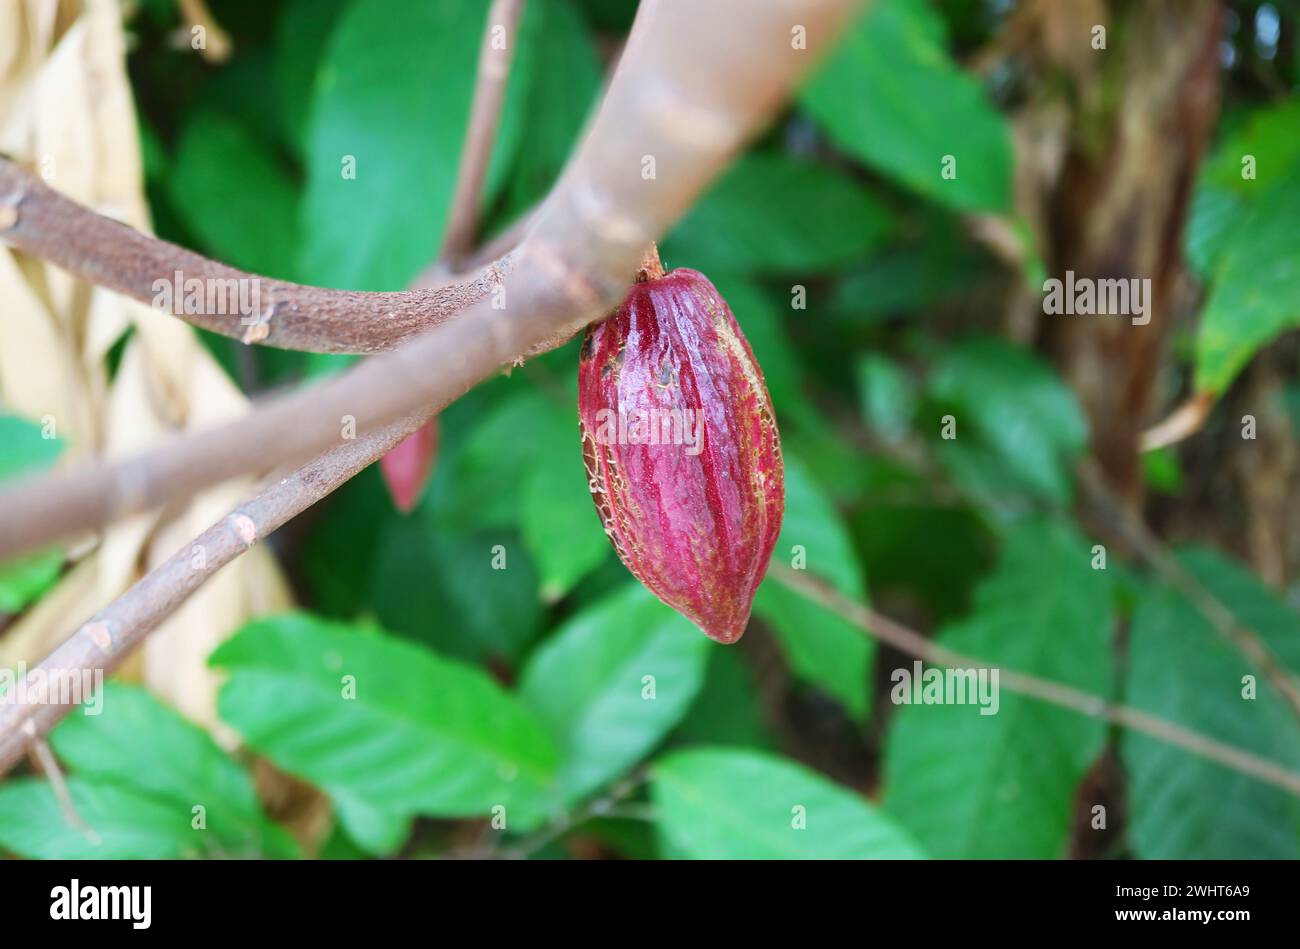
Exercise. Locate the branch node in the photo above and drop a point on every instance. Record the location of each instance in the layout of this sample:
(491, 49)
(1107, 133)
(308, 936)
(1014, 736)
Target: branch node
(244, 528)
(9, 213)
(99, 634)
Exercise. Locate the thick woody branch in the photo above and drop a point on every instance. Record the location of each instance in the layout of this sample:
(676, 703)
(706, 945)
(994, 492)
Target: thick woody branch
(38, 220)
(693, 85)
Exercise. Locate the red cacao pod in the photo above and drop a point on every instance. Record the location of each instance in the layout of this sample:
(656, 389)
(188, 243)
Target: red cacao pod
(681, 447)
(407, 465)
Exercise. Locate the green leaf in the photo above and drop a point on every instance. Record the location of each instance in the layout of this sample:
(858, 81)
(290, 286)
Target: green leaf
(892, 96)
(23, 449)
(589, 685)
(821, 647)
(1241, 239)
(142, 746)
(888, 396)
(1182, 806)
(1018, 426)
(1001, 785)
(302, 37)
(564, 70)
(384, 723)
(559, 521)
(441, 587)
(1255, 290)
(231, 192)
(393, 94)
(727, 710)
(24, 579)
(372, 828)
(732, 804)
(771, 212)
(125, 825)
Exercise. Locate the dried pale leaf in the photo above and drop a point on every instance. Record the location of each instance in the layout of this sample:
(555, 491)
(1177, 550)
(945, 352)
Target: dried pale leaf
(39, 374)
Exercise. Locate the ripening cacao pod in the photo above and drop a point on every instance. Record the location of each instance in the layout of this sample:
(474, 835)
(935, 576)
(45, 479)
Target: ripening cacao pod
(407, 465)
(681, 447)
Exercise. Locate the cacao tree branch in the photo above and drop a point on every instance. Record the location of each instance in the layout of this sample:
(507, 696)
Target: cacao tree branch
(913, 643)
(495, 56)
(103, 642)
(693, 85)
(38, 220)
(1133, 529)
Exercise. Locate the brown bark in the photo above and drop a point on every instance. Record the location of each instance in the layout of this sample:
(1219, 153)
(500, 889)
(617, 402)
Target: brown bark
(1117, 210)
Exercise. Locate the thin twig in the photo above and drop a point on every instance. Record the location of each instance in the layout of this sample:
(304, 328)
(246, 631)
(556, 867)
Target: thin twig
(54, 774)
(489, 93)
(1221, 619)
(693, 85)
(1055, 693)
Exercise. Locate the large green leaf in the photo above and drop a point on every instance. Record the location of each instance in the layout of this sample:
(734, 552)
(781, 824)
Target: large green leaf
(821, 646)
(302, 37)
(1002, 785)
(141, 771)
(125, 825)
(1255, 290)
(1017, 424)
(559, 520)
(612, 682)
(771, 212)
(728, 709)
(1180, 805)
(393, 93)
(1241, 238)
(732, 804)
(418, 735)
(891, 95)
(138, 743)
(232, 193)
(443, 588)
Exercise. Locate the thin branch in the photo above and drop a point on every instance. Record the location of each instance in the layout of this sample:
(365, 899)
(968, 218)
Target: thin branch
(1055, 693)
(36, 219)
(693, 85)
(102, 643)
(54, 774)
(495, 56)
(1221, 619)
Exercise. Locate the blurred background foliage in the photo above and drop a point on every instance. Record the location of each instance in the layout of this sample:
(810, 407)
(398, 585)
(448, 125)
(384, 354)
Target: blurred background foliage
(877, 304)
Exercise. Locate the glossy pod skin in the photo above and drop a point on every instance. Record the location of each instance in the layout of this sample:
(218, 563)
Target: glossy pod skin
(681, 446)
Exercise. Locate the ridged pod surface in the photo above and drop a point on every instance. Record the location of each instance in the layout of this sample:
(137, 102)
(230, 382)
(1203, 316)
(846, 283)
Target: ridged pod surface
(681, 448)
